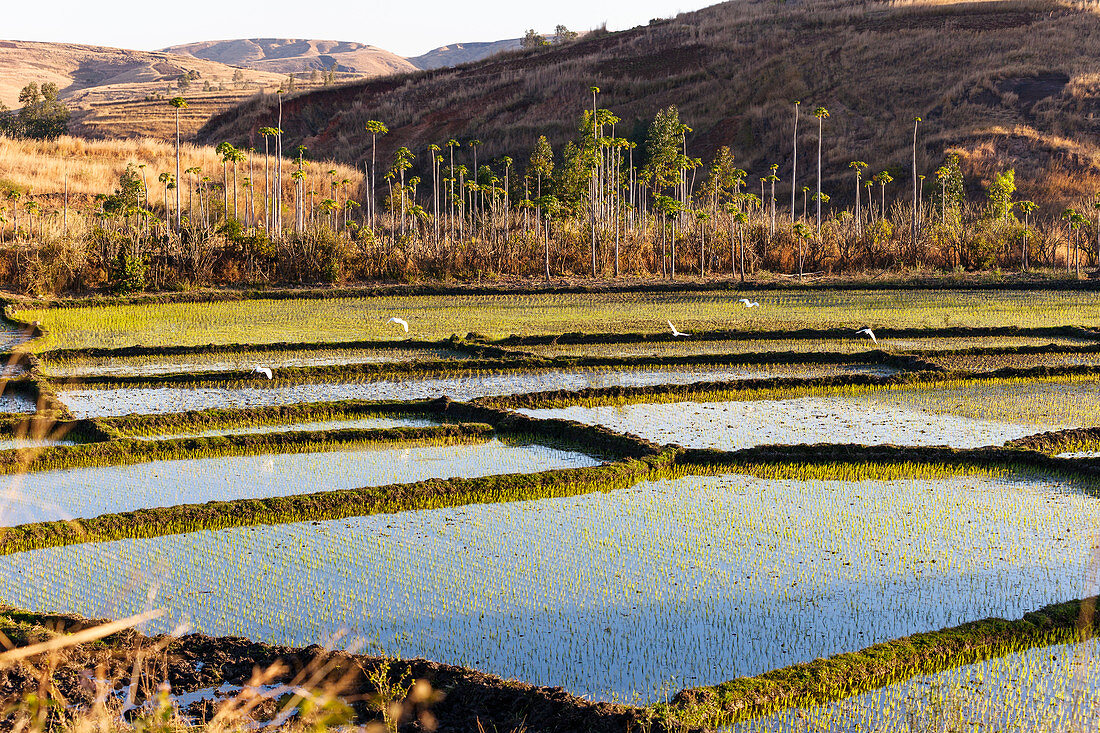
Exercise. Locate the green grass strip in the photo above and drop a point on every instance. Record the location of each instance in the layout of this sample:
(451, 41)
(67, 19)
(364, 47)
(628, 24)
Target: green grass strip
(431, 494)
(853, 673)
(215, 418)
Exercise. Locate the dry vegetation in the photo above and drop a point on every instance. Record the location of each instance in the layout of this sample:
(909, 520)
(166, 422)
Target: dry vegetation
(1009, 81)
(93, 166)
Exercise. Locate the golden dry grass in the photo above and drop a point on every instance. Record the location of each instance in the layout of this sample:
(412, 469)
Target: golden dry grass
(93, 166)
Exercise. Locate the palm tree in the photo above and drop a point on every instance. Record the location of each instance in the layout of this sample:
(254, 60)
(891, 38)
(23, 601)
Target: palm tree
(267, 132)
(858, 166)
(166, 179)
(882, 179)
(794, 161)
(772, 178)
(178, 103)
(595, 173)
(820, 113)
(375, 128)
(916, 187)
(225, 150)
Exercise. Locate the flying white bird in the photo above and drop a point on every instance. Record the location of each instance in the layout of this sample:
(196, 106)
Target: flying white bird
(869, 332)
(675, 333)
(749, 303)
(262, 370)
(400, 322)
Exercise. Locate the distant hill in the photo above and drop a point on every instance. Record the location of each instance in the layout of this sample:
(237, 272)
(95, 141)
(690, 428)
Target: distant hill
(1003, 82)
(113, 72)
(295, 55)
(462, 53)
(117, 92)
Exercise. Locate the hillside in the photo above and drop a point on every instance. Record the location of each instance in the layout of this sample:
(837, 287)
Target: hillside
(462, 53)
(115, 92)
(1007, 82)
(113, 73)
(295, 55)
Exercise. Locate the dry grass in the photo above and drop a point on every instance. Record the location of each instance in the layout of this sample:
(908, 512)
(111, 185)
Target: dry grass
(93, 166)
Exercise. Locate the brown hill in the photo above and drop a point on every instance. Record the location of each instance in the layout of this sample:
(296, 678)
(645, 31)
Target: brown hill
(295, 55)
(1010, 82)
(117, 92)
(114, 73)
(457, 54)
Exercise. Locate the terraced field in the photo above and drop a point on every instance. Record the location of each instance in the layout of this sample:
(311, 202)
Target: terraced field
(764, 522)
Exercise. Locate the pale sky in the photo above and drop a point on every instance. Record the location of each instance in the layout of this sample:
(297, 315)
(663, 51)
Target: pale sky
(407, 27)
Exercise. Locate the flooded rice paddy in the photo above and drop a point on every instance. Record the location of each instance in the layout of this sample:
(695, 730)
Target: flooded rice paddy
(968, 416)
(89, 492)
(359, 423)
(1054, 688)
(628, 595)
(700, 347)
(992, 362)
(141, 400)
(145, 366)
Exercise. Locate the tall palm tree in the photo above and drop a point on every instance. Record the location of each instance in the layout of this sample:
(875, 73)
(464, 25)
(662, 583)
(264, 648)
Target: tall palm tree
(858, 166)
(794, 161)
(375, 128)
(916, 186)
(594, 185)
(178, 103)
(166, 178)
(820, 113)
(267, 132)
(882, 179)
(772, 178)
(225, 151)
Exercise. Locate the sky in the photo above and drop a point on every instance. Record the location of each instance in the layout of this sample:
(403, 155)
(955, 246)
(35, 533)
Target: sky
(407, 27)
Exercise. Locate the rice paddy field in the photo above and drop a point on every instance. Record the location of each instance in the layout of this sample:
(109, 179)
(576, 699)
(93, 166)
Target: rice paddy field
(437, 317)
(242, 360)
(728, 530)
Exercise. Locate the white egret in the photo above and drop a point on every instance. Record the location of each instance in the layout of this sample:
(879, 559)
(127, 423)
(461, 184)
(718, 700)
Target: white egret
(749, 303)
(869, 332)
(675, 333)
(400, 322)
(262, 370)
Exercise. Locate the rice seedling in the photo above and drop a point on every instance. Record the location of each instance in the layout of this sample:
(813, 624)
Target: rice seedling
(242, 360)
(964, 414)
(363, 423)
(96, 402)
(684, 347)
(438, 317)
(1044, 688)
(992, 362)
(88, 492)
(693, 580)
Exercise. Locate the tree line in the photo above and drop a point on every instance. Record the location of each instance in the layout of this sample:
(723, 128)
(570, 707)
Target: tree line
(601, 207)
